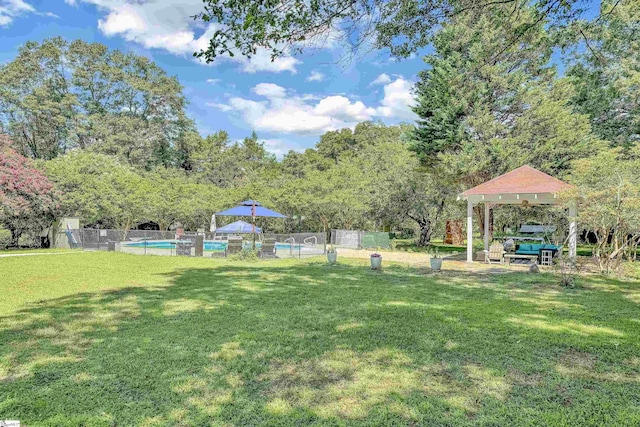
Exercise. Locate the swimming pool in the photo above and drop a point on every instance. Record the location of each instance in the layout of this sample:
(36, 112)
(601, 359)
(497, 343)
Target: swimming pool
(209, 245)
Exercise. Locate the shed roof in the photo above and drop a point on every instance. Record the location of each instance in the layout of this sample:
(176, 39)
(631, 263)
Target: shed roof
(523, 180)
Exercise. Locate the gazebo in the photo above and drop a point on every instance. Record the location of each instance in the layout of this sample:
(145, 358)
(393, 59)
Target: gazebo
(523, 186)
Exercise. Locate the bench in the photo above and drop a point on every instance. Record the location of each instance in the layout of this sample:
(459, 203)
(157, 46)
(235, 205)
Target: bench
(533, 259)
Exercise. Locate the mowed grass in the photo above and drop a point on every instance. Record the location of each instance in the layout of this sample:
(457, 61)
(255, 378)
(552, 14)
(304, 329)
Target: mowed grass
(113, 339)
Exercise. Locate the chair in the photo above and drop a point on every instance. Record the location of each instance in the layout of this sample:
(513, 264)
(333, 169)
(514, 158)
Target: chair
(268, 248)
(234, 245)
(495, 253)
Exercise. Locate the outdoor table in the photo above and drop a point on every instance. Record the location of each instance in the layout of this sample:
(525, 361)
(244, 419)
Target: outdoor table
(509, 257)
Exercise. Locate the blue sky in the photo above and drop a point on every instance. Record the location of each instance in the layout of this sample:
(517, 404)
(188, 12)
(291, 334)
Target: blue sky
(289, 103)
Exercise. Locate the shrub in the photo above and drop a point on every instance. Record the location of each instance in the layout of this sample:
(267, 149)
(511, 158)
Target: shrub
(27, 199)
(567, 268)
(5, 239)
(246, 254)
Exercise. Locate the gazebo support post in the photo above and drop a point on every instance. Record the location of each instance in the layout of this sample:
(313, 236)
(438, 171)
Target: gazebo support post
(469, 231)
(573, 230)
(487, 213)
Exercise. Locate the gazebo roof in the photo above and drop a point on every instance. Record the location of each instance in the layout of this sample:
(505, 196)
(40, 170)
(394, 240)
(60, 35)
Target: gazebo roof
(524, 180)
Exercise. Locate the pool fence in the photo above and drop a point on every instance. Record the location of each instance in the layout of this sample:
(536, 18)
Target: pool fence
(358, 239)
(190, 243)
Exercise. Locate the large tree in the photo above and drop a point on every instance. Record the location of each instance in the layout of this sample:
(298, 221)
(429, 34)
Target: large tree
(216, 160)
(607, 74)
(479, 118)
(100, 188)
(291, 26)
(56, 96)
(28, 202)
(608, 193)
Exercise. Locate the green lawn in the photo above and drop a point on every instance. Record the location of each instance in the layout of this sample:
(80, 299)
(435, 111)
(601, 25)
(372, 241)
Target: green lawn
(113, 339)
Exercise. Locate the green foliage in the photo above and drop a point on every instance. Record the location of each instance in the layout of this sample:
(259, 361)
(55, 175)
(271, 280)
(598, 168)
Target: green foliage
(99, 188)
(216, 161)
(480, 117)
(434, 251)
(246, 254)
(28, 201)
(608, 194)
(5, 238)
(57, 95)
(403, 27)
(112, 134)
(607, 74)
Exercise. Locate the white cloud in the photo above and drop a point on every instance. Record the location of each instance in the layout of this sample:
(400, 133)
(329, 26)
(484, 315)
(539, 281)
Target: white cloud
(398, 100)
(342, 108)
(213, 81)
(280, 147)
(11, 9)
(315, 76)
(382, 79)
(220, 106)
(282, 111)
(168, 25)
(269, 90)
(261, 61)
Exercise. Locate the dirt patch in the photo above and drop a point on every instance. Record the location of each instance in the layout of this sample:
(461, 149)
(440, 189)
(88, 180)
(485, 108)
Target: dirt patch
(578, 359)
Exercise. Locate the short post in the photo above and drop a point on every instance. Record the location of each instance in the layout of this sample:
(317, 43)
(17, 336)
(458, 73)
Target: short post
(487, 214)
(199, 244)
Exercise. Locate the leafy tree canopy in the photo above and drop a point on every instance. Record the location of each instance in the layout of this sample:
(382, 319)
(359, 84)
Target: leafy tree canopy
(606, 74)
(59, 95)
(28, 201)
(401, 26)
(481, 118)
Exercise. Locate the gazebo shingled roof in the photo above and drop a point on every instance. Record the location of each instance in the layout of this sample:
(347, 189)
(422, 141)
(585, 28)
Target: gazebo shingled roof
(524, 180)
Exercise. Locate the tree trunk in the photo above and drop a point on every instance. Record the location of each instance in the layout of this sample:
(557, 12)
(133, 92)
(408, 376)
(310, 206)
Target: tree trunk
(425, 234)
(15, 237)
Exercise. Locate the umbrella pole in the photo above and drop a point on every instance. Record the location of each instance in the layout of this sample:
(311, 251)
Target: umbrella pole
(253, 225)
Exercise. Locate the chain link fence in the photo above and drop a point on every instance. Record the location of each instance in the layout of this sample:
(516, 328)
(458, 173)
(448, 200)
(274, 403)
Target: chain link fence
(357, 239)
(151, 242)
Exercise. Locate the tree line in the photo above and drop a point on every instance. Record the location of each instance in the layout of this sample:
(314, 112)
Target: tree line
(110, 132)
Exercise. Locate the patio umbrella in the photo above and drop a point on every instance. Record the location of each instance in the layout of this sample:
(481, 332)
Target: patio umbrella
(253, 209)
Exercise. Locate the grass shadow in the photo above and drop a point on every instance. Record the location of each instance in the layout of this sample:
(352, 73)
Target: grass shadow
(309, 343)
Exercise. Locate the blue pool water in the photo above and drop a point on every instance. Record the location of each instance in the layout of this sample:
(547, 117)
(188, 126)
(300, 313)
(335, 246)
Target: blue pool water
(209, 245)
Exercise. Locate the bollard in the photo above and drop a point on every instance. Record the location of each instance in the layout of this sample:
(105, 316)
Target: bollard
(199, 244)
